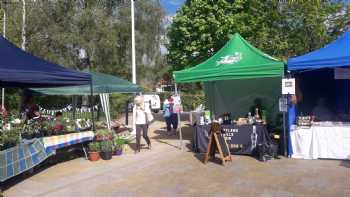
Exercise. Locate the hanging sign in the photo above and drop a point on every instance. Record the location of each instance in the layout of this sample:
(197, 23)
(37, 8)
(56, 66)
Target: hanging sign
(283, 105)
(288, 86)
(177, 104)
(341, 73)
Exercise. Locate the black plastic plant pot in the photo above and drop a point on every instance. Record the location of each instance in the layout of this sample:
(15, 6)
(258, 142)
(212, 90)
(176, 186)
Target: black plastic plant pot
(106, 155)
(27, 136)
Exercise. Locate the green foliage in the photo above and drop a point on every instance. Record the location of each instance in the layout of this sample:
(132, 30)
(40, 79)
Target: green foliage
(94, 146)
(191, 100)
(103, 135)
(33, 126)
(59, 30)
(118, 103)
(119, 142)
(106, 146)
(9, 138)
(279, 28)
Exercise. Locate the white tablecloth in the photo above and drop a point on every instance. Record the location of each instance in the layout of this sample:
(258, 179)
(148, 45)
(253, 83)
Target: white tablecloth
(331, 142)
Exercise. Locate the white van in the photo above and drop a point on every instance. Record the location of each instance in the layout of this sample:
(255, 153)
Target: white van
(154, 100)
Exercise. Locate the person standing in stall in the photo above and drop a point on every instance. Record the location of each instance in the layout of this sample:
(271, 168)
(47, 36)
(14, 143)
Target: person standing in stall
(31, 109)
(170, 116)
(143, 118)
(293, 101)
(59, 124)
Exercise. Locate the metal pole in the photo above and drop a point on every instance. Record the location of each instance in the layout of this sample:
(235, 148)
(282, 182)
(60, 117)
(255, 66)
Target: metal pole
(24, 25)
(92, 105)
(284, 135)
(285, 152)
(127, 113)
(4, 34)
(133, 61)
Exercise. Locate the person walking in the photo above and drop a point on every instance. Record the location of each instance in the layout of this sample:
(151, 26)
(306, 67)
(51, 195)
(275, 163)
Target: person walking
(169, 115)
(143, 118)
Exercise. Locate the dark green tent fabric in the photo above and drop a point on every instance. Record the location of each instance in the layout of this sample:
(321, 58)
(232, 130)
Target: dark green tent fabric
(236, 60)
(102, 83)
(237, 96)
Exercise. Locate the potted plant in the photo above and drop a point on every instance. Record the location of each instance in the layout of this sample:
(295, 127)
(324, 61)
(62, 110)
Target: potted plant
(94, 148)
(103, 135)
(106, 149)
(118, 146)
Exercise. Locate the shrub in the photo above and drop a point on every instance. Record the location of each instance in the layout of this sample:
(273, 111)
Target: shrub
(94, 146)
(106, 146)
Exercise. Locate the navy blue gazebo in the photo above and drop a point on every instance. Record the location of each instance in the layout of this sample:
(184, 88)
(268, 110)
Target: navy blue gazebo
(21, 69)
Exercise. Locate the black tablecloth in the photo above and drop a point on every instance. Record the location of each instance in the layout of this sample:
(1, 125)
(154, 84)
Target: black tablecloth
(241, 139)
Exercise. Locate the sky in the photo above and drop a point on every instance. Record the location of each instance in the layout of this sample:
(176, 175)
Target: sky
(171, 6)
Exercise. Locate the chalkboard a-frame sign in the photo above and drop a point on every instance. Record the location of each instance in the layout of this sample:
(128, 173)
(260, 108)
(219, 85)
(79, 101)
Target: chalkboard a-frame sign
(217, 143)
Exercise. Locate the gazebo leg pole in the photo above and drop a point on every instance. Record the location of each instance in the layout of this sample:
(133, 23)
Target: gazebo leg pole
(92, 106)
(74, 107)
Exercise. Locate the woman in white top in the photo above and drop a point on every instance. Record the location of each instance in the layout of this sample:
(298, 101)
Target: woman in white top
(142, 113)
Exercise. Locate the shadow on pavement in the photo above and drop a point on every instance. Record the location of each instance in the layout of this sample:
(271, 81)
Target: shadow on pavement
(133, 145)
(173, 139)
(200, 157)
(62, 155)
(345, 163)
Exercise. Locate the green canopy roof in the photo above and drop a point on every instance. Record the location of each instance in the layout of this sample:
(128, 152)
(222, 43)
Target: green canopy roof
(102, 83)
(236, 60)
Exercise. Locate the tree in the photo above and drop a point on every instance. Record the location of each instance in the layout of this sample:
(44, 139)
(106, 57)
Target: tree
(59, 31)
(279, 28)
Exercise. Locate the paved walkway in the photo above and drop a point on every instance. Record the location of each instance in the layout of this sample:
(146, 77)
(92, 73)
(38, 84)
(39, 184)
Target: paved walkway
(167, 171)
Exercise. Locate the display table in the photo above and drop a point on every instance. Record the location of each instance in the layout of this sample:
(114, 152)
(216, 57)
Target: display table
(21, 158)
(60, 141)
(241, 139)
(328, 142)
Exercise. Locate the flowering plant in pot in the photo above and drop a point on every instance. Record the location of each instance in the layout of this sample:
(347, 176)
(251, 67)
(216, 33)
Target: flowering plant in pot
(94, 148)
(118, 146)
(103, 135)
(106, 149)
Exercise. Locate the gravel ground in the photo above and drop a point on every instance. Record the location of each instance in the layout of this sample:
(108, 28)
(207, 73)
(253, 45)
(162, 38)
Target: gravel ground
(168, 171)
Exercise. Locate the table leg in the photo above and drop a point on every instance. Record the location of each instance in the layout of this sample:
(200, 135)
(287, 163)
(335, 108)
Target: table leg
(84, 150)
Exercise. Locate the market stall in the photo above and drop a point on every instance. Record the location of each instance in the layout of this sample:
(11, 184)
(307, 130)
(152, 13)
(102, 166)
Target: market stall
(319, 118)
(102, 85)
(23, 70)
(235, 78)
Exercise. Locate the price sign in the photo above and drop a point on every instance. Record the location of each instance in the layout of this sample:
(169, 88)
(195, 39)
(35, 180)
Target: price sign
(288, 86)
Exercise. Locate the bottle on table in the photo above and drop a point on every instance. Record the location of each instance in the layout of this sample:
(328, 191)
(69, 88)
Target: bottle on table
(250, 118)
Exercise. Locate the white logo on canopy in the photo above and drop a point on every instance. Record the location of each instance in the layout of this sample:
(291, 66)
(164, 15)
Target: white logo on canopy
(230, 59)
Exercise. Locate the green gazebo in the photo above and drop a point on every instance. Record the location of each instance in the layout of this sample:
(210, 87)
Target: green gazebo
(102, 85)
(235, 76)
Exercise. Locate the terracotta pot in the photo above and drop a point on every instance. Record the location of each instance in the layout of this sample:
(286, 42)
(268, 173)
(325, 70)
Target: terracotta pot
(94, 156)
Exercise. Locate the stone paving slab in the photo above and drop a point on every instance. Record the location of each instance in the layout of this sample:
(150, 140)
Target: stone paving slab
(166, 171)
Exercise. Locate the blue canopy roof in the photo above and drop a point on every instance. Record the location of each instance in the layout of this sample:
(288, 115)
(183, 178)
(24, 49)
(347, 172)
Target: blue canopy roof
(21, 69)
(335, 54)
